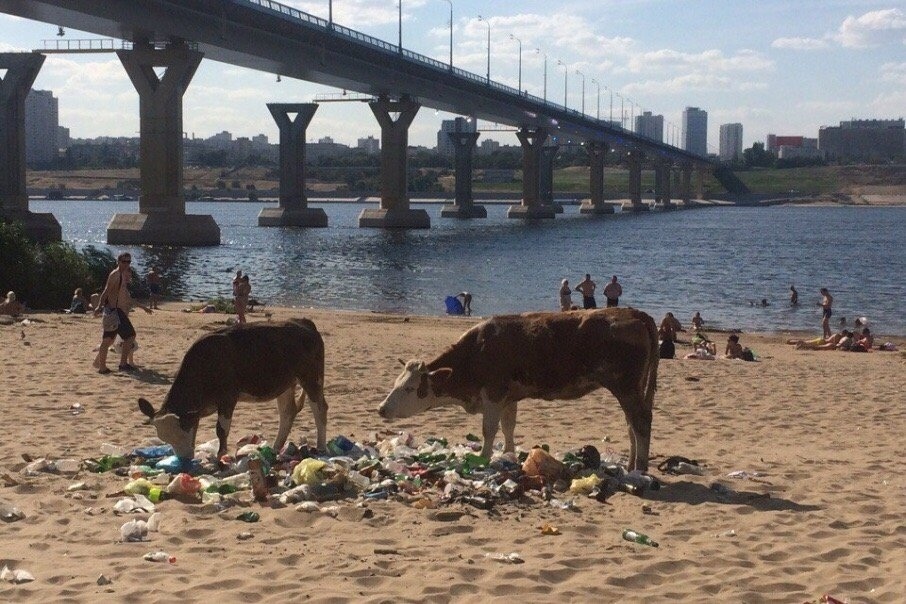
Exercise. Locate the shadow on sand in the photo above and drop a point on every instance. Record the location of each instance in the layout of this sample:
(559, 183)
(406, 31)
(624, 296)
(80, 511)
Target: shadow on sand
(695, 494)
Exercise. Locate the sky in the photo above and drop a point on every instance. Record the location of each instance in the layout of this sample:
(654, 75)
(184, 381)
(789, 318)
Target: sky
(783, 67)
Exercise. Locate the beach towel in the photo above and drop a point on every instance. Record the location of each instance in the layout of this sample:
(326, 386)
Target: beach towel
(454, 306)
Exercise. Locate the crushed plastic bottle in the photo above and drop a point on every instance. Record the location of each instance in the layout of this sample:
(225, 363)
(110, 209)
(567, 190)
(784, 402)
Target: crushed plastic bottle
(159, 556)
(688, 468)
(641, 538)
(511, 558)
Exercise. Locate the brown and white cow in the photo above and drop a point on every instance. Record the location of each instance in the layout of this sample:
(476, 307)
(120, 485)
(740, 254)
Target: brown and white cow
(253, 362)
(548, 356)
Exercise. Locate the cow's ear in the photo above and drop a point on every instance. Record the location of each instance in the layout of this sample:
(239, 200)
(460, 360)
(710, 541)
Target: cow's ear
(146, 408)
(439, 376)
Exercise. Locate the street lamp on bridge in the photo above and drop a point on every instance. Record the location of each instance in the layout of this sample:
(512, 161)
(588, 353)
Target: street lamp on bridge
(538, 51)
(583, 90)
(565, 81)
(512, 37)
(598, 112)
(400, 29)
(486, 22)
(450, 2)
(329, 14)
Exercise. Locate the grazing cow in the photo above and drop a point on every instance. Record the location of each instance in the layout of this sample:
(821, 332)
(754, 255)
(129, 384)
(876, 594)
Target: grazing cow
(252, 362)
(539, 355)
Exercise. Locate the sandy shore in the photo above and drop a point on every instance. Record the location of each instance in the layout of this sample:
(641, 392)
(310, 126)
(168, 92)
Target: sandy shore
(825, 516)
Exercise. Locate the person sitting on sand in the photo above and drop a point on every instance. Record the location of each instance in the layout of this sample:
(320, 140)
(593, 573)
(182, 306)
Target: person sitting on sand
(735, 350)
(864, 343)
(79, 304)
(704, 351)
(11, 306)
(697, 321)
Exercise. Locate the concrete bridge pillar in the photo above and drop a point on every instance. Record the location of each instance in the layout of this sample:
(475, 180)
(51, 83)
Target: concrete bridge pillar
(597, 153)
(463, 205)
(21, 70)
(162, 218)
(700, 182)
(293, 209)
(546, 178)
(686, 184)
(394, 211)
(532, 141)
(634, 160)
(662, 174)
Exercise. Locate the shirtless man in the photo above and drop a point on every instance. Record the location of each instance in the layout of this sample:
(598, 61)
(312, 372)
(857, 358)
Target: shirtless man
(587, 289)
(116, 299)
(826, 301)
(613, 291)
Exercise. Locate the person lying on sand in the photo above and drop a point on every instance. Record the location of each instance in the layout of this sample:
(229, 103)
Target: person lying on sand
(705, 351)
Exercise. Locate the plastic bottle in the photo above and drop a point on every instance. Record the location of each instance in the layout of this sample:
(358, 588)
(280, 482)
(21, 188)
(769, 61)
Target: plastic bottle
(689, 468)
(636, 537)
(111, 449)
(482, 503)
(159, 557)
(256, 476)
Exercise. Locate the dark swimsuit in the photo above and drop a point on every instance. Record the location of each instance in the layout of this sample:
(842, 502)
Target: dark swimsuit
(827, 312)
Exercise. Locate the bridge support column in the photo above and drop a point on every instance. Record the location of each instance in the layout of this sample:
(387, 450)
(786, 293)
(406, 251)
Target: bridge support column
(700, 182)
(686, 185)
(662, 175)
(293, 209)
(21, 71)
(394, 211)
(532, 141)
(546, 178)
(597, 153)
(162, 218)
(634, 159)
(463, 205)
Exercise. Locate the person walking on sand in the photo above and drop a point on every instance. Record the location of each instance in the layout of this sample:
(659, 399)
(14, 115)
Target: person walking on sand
(566, 295)
(827, 300)
(794, 296)
(241, 301)
(587, 289)
(154, 286)
(613, 291)
(115, 302)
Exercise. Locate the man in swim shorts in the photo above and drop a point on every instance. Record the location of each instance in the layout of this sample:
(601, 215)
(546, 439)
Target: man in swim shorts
(826, 301)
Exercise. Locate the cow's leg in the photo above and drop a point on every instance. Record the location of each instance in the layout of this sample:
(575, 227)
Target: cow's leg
(490, 422)
(639, 421)
(287, 409)
(224, 420)
(508, 425)
(318, 404)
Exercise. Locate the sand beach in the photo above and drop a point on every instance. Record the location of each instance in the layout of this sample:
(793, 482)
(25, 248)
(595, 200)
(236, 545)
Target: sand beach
(819, 509)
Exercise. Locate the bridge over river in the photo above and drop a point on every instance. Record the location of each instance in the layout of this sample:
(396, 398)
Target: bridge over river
(268, 36)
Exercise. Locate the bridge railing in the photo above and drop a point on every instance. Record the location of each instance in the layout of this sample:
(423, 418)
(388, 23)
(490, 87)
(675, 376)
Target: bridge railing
(387, 47)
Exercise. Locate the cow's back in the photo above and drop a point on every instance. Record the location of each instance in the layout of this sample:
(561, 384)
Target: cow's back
(260, 360)
(558, 355)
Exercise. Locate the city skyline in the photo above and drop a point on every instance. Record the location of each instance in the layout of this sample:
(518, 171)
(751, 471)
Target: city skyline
(783, 75)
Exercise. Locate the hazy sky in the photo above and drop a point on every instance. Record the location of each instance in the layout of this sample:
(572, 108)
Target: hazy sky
(776, 66)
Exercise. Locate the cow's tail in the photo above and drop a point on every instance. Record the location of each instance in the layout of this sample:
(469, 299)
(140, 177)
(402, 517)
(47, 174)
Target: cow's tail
(650, 376)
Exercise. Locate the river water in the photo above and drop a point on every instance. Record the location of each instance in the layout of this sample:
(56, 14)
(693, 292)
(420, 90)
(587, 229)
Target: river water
(716, 260)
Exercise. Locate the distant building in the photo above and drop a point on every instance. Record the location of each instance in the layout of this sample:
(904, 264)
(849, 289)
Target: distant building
(649, 125)
(63, 137)
(445, 146)
(325, 147)
(488, 146)
(370, 145)
(42, 123)
(695, 131)
(864, 140)
(221, 140)
(730, 142)
(773, 142)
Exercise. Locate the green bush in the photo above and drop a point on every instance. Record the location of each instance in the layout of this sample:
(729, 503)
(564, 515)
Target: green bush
(44, 276)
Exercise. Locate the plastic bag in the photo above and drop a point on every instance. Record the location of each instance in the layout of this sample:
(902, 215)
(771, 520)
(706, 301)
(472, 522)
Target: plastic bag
(308, 471)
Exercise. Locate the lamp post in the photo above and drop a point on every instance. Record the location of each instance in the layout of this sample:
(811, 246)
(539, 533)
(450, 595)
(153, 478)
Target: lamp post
(450, 2)
(583, 90)
(538, 50)
(598, 113)
(565, 80)
(400, 28)
(512, 37)
(486, 22)
(329, 14)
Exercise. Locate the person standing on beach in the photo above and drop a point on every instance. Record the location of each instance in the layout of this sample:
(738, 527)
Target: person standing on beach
(115, 299)
(241, 299)
(566, 295)
(794, 296)
(153, 279)
(466, 302)
(827, 301)
(613, 291)
(587, 289)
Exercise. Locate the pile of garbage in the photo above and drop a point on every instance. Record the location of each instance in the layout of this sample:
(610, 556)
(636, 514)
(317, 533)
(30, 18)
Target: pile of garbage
(396, 467)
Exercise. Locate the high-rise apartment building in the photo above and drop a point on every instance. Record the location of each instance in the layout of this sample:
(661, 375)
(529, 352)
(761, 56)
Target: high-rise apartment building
(730, 142)
(42, 123)
(370, 145)
(695, 131)
(445, 145)
(651, 126)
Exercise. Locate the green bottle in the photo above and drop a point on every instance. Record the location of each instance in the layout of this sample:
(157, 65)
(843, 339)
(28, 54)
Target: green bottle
(636, 537)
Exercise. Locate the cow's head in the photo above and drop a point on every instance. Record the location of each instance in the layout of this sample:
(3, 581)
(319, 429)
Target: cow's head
(179, 432)
(416, 390)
